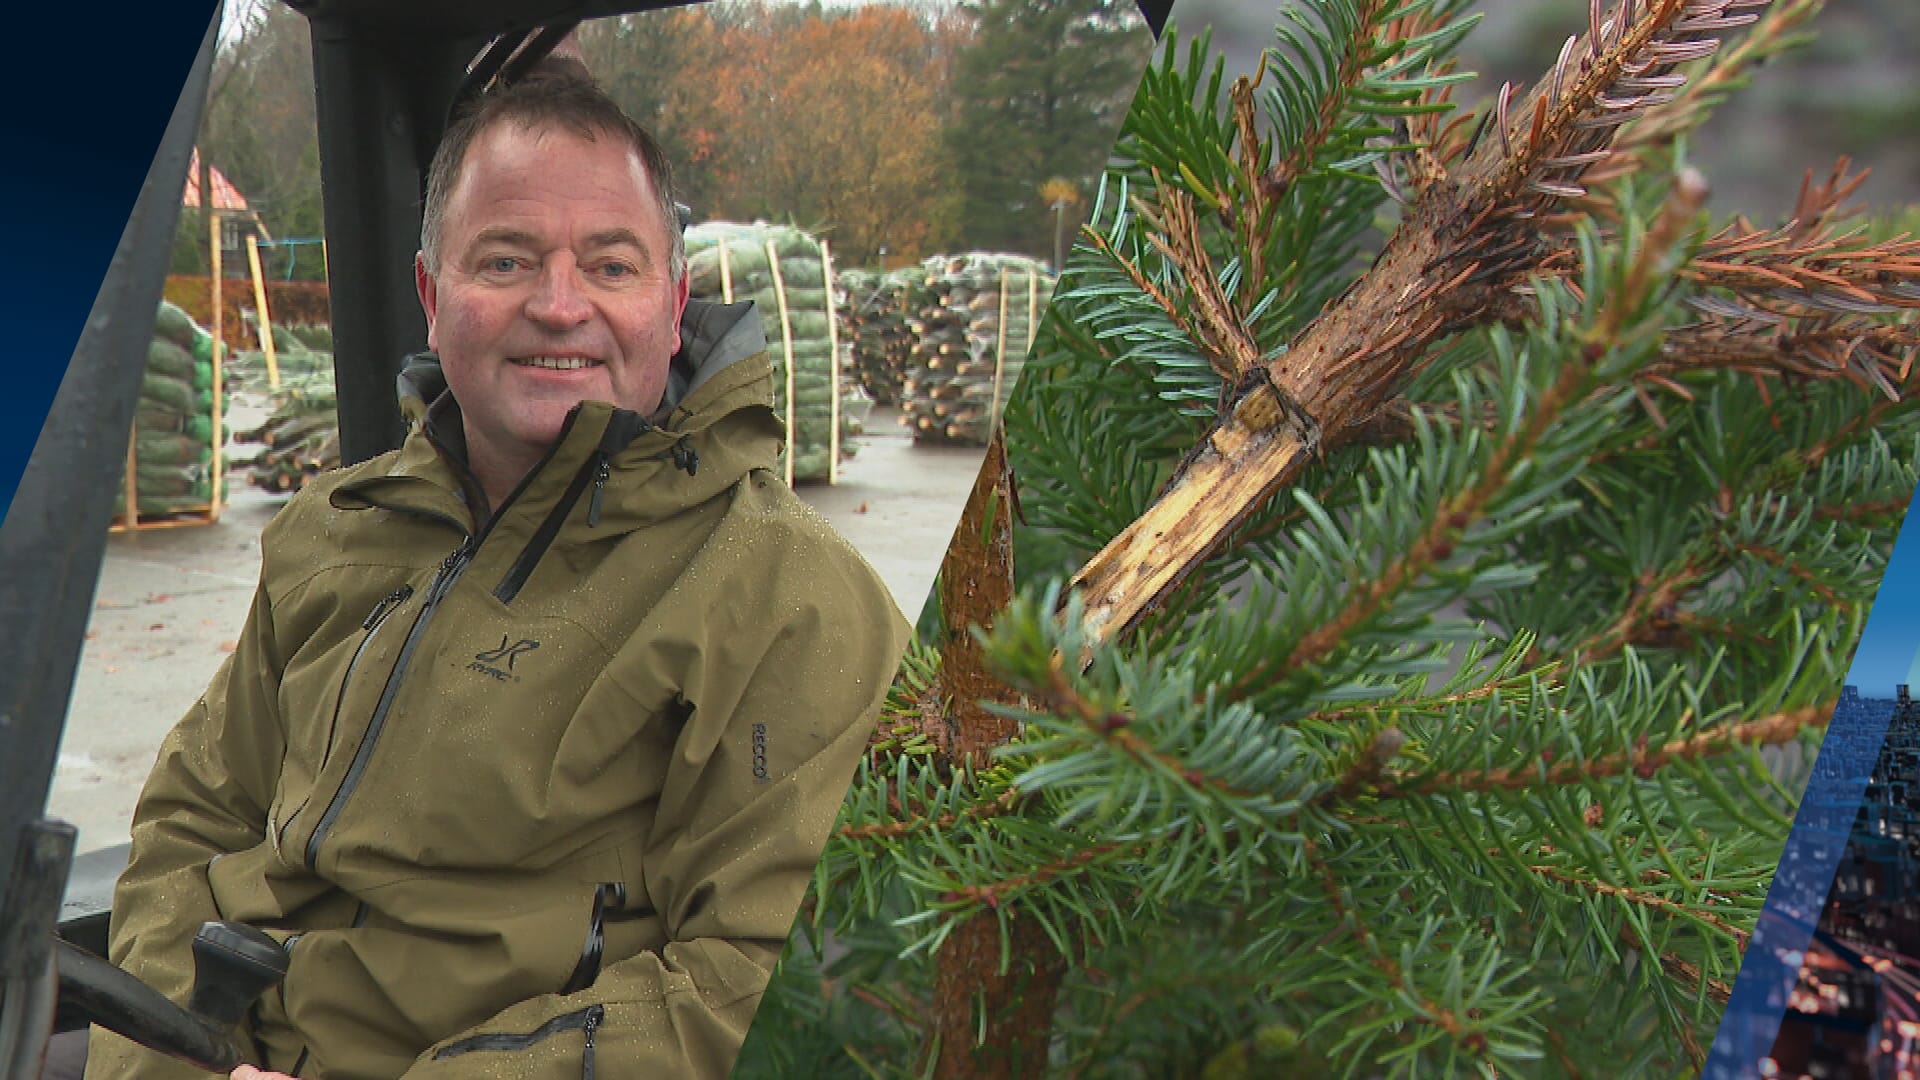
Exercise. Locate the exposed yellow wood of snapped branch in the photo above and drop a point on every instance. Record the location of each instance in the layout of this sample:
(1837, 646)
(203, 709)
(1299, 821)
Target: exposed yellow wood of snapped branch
(1232, 473)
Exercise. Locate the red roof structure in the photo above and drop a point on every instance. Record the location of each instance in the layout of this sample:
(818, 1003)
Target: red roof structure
(225, 195)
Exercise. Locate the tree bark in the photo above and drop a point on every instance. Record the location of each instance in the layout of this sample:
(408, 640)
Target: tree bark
(976, 584)
(1017, 1004)
(972, 993)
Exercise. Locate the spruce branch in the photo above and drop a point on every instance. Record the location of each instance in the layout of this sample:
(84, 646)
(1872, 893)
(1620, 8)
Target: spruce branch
(1453, 519)
(1464, 1031)
(1364, 23)
(1774, 558)
(1688, 974)
(912, 714)
(1642, 761)
(1782, 26)
(1650, 612)
(1151, 996)
(1363, 66)
(1113, 726)
(1186, 752)
(910, 1015)
(1497, 686)
(1561, 1057)
(995, 894)
(1810, 263)
(1867, 355)
(1463, 240)
(1216, 324)
(1527, 779)
(1005, 802)
(1639, 897)
(1870, 512)
(1462, 510)
(1140, 281)
(1806, 300)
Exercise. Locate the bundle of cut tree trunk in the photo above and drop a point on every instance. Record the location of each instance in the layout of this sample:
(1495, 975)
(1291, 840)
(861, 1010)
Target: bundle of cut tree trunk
(299, 351)
(785, 272)
(874, 309)
(302, 436)
(974, 324)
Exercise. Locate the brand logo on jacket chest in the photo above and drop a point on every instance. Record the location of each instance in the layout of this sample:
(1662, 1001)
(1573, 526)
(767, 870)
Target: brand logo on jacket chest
(499, 662)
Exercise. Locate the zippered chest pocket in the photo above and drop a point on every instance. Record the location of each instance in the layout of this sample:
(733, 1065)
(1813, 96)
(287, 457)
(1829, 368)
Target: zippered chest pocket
(315, 691)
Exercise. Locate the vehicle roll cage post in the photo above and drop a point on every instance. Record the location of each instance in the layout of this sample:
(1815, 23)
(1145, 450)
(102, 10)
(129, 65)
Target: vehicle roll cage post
(510, 60)
(372, 92)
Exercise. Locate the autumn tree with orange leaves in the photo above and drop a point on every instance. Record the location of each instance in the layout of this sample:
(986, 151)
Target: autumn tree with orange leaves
(831, 121)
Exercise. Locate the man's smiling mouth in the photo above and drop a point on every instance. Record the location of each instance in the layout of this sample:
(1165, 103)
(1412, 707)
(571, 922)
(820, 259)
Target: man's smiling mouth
(556, 363)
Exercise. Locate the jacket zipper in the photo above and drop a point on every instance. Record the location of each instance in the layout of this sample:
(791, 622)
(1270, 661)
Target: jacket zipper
(543, 537)
(371, 624)
(587, 969)
(602, 470)
(443, 580)
(594, 1013)
(437, 590)
(586, 1021)
(622, 428)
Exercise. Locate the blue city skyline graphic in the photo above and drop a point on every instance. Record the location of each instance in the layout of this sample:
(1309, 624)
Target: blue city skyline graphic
(1883, 661)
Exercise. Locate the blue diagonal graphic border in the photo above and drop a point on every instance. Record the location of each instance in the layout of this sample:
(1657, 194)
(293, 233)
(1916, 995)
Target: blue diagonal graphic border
(88, 93)
(1820, 829)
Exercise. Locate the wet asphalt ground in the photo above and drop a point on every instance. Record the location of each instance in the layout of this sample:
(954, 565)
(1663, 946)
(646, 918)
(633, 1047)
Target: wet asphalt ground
(171, 602)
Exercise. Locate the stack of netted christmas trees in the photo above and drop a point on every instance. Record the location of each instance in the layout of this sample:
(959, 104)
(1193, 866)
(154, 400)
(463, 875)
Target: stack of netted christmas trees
(784, 271)
(302, 437)
(298, 352)
(173, 429)
(976, 317)
(874, 309)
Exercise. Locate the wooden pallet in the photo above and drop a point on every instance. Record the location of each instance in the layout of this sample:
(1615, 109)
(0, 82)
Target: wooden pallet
(174, 520)
(130, 518)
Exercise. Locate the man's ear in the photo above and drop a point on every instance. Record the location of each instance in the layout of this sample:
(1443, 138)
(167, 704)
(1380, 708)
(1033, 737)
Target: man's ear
(680, 292)
(429, 291)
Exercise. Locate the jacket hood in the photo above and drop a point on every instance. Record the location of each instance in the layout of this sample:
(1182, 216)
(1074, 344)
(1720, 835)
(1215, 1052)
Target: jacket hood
(715, 424)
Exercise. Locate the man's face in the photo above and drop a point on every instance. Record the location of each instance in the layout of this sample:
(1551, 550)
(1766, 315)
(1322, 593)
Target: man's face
(553, 287)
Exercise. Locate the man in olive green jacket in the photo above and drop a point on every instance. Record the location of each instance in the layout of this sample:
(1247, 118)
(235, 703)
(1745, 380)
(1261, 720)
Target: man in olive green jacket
(538, 724)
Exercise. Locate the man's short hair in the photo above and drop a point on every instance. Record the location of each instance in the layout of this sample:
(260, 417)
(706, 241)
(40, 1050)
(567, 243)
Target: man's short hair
(554, 96)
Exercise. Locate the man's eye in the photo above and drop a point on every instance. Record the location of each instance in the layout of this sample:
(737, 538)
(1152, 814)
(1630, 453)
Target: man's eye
(616, 270)
(501, 264)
